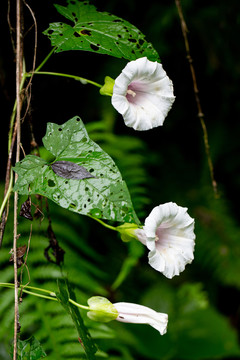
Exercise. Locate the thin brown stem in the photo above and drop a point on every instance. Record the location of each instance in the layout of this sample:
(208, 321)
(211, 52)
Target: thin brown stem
(19, 70)
(197, 98)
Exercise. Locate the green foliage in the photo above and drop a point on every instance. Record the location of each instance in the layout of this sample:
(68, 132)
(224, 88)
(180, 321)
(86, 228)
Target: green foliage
(219, 251)
(30, 349)
(65, 293)
(105, 195)
(98, 32)
(47, 319)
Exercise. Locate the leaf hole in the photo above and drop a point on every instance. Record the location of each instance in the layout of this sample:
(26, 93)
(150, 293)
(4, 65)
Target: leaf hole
(94, 47)
(59, 129)
(76, 34)
(51, 183)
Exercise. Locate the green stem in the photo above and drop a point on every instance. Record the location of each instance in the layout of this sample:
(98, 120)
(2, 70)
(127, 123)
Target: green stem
(45, 60)
(104, 224)
(7, 194)
(52, 297)
(79, 305)
(78, 78)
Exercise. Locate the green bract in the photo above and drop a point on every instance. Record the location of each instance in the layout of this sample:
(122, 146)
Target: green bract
(104, 195)
(99, 32)
(101, 309)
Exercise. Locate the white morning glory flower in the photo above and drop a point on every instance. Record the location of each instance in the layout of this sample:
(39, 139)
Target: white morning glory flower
(139, 314)
(101, 309)
(143, 94)
(168, 233)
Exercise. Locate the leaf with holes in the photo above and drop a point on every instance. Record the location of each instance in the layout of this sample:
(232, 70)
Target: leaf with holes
(100, 192)
(98, 32)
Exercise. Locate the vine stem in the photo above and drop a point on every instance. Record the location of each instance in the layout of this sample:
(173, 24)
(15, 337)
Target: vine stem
(196, 94)
(78, 78)
(19, 70)
(104, 224)
(51, 293)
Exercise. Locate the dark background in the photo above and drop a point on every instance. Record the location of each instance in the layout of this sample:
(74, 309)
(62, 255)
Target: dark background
(176, 160)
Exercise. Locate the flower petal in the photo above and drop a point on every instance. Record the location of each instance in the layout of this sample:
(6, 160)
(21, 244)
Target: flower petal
(169, 235)
(139, 314)
(143, 94)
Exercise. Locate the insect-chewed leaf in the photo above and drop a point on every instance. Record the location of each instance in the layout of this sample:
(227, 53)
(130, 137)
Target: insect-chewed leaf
(83, 178)
(99, 32)
(70, 170)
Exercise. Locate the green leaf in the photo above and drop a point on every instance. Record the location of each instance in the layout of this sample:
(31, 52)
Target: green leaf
(105, 195)
(99, 32)
(65, 292)
(30, 349)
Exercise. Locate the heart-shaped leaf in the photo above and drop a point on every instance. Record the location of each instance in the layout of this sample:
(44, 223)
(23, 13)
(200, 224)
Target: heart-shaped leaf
(101, 192)
(99, 32)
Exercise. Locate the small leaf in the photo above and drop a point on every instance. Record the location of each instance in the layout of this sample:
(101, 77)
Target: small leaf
(99, 32)
(20, 253)
(30, 349)
(57, 251)
(70, 170)
(26, 210)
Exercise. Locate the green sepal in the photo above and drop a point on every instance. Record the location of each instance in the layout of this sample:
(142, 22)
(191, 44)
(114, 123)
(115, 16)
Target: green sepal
(107, 88)
(127, 231)
(101, 309)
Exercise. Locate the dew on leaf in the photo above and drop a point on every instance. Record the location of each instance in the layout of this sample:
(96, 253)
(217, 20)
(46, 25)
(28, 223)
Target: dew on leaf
(96, 213)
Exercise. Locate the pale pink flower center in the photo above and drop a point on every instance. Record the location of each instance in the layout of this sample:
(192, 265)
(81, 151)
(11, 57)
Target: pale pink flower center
(134, 92)
(162, 236)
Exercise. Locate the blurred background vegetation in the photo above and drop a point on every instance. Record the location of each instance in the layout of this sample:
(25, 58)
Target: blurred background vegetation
(161, 165)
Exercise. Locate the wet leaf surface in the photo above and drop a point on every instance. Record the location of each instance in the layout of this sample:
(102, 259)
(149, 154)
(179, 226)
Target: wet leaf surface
(103, 195)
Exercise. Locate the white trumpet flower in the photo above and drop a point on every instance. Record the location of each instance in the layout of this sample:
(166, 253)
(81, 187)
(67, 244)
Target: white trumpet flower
(139, 314)
(101, 309)
(143, 94)
(168, 233)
